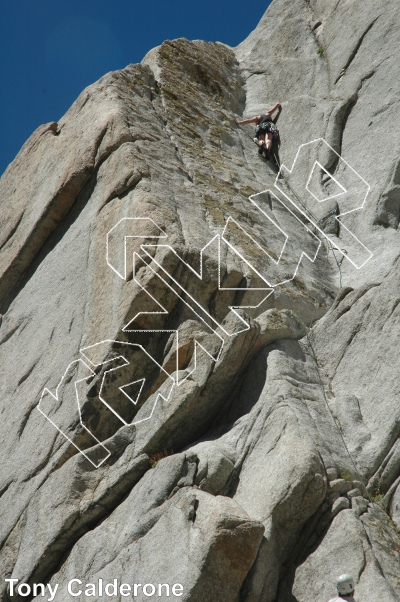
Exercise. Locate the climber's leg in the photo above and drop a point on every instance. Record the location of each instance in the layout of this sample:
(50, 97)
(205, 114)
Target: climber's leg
(261, 143)
(267, 146)
(268, 142)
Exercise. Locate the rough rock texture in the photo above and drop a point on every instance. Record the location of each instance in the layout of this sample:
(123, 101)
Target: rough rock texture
(262, 457)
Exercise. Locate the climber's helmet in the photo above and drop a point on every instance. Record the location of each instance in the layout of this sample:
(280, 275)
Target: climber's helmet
(345, 585)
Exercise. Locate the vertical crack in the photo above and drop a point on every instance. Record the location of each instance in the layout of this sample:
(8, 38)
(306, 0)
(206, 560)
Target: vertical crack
(355, 50)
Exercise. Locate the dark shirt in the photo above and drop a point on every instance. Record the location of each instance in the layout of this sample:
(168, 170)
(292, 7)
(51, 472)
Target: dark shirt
(263, 119)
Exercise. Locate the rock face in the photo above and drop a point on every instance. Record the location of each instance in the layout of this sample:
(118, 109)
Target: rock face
(248, 454)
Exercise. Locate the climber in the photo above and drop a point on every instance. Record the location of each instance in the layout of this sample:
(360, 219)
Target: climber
(345, 588)
(266, 129)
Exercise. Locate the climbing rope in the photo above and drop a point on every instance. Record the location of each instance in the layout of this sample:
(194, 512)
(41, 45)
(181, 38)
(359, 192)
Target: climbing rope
(326, 240)
(343, 252)
(309, 329)
(243, 130)
(339, 429)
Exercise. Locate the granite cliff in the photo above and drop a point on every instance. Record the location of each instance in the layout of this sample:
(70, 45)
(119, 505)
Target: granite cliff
(249, 454)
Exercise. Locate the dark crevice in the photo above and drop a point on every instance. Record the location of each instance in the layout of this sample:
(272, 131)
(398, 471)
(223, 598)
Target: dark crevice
(51, 241)
(383, 108)
(12, 232)
(347, 110)
(11, 332)
(354, 51)
(71, 323)
(195, 508)
(308, 541)
(5, 488)
(27, 374)
(97, 145)
(336, 5)
(341, 118)
(342, 312)
(26, 417)
(343, 292)
(83, 103)
(125, 189)
(394, 307)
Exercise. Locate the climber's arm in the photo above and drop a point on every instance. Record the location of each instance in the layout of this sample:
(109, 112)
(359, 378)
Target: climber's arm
(277, 106)
(252, 120)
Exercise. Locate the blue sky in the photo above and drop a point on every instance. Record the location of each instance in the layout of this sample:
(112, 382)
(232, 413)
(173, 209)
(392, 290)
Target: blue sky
(50, 49)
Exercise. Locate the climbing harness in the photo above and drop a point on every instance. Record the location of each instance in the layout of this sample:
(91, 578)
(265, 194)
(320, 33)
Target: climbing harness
(265, 127)
(255, 139)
